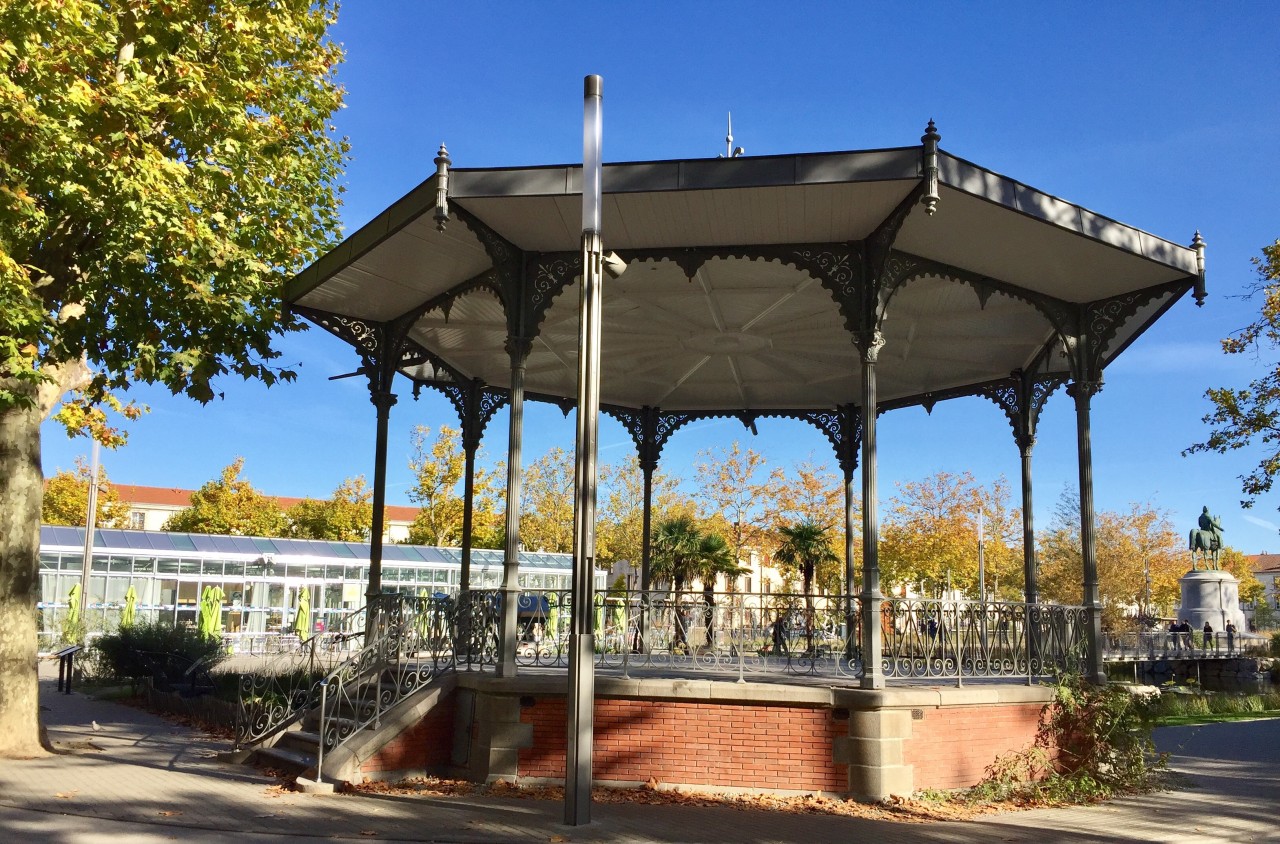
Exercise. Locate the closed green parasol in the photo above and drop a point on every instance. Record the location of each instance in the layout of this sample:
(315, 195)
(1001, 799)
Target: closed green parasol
(216, 596)
(129, 616)
(205, 623)
(302, 616)
(73, 604)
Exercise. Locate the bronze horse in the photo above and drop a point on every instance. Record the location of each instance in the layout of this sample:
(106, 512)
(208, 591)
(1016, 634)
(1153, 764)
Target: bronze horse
(1207, 544)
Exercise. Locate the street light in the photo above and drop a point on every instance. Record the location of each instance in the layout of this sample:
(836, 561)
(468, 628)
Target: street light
(581, 696)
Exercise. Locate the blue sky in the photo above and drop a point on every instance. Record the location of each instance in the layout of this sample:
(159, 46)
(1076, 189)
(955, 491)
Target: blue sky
(1163, 116)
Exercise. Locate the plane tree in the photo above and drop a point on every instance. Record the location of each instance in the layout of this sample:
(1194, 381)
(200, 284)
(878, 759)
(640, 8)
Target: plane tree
(164, 167)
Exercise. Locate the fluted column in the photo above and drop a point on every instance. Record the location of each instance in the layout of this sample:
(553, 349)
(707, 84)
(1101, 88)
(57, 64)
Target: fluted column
(1030, 567)
(519, 352)
(869, 344)
(1083, 392)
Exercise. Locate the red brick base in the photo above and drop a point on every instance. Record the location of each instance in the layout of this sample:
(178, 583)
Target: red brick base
(952, 746)
(423, 747)
(676, 742)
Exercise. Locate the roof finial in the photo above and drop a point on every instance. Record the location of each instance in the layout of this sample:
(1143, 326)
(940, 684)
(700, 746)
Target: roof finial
(1197, 243)
(442, 162)
(930, 166)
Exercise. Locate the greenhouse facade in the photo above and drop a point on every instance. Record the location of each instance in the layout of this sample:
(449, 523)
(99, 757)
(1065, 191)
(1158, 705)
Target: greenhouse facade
(260, 577)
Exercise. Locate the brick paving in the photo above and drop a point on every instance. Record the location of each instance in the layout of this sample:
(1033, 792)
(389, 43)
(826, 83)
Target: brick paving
(140, 778)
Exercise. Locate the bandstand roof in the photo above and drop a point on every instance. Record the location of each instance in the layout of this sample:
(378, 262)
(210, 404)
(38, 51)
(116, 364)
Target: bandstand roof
(746, 280)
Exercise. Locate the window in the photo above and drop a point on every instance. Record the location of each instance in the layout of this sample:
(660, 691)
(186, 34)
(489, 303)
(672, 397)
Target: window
(137, 520)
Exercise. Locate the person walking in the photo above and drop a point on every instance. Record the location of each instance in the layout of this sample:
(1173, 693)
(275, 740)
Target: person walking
(1208, 637)
(1231, 637)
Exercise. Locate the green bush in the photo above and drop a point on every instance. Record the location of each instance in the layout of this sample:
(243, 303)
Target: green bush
(1102, 736)
(115, 656)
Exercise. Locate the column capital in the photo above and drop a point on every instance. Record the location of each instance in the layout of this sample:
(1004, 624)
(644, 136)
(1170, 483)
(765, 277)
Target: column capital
(518, 348)
(384, 400)
(1084, 388)
(869, 344)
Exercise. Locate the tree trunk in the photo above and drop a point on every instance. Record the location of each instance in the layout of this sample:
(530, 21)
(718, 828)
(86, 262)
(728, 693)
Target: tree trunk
(20, 494)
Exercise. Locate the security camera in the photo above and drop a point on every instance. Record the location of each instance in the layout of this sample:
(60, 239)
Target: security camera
(613, 264)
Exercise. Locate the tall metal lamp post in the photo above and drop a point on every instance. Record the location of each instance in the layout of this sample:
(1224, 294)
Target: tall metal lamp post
(581, 695)
(982, 562)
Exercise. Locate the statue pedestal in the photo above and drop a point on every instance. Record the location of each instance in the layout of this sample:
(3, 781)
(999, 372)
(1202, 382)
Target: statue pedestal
(1212, 596)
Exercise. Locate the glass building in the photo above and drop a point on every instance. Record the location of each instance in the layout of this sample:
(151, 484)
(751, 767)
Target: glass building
(259, 577)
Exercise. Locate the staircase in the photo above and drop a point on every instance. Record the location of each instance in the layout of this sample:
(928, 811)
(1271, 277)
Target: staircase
(324, 721)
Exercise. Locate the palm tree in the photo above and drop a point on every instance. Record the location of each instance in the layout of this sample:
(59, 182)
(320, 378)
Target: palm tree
(682, 551)
(805, 547)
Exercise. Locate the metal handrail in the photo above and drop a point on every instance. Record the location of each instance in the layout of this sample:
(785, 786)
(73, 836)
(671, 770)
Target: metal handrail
(412, 641)
(282, 691)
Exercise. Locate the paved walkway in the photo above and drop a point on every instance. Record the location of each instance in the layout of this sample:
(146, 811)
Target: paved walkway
(140, 778)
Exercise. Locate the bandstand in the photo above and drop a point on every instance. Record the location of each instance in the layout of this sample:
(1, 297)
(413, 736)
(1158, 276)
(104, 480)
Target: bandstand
(825, 287)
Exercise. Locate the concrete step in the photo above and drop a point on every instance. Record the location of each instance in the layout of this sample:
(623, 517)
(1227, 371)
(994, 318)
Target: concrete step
(289, 760)
(303, 741)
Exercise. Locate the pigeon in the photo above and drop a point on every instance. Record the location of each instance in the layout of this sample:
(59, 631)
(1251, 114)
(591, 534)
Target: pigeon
(95, 726)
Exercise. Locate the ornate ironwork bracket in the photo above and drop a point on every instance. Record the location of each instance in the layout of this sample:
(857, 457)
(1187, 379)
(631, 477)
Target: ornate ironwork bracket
(384, 347)
(1022, 397)
(546, 276)
(650, 429)
(475, 404)
(1104, 319)
(843, 429)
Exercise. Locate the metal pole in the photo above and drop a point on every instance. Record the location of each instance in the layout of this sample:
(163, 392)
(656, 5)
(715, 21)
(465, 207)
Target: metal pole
(581, 697)
(324, 699)
(982, 565)
(90, 521)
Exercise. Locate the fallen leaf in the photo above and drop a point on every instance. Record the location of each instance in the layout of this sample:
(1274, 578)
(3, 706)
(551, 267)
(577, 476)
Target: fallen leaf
(169, 813)
(65, 795)
(557, 839)
(368, 832)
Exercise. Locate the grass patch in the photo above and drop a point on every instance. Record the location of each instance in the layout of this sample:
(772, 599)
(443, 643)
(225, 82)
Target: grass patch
(1215, 718)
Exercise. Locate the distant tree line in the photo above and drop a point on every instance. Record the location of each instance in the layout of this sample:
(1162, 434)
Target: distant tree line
(790, 518)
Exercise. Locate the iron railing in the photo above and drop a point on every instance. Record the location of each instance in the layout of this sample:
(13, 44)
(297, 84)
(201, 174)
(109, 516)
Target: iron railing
(813, 634)
(958, 639)
(404, 642)
(411, 640)
(1160, 644)
(282, 688)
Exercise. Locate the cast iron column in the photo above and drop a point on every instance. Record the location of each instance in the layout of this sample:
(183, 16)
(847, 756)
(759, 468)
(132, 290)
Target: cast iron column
(382, 400)
(1030, 569)
(519, 351)
(850, 566)
(646, 525)
(1082, 392)
(470, 445)
(873, 673)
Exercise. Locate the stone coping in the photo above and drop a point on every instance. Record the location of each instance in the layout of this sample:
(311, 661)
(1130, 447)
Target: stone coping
(774, 694)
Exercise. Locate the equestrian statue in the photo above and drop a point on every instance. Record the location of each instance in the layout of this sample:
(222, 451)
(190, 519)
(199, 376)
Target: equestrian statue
(1206, 542)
